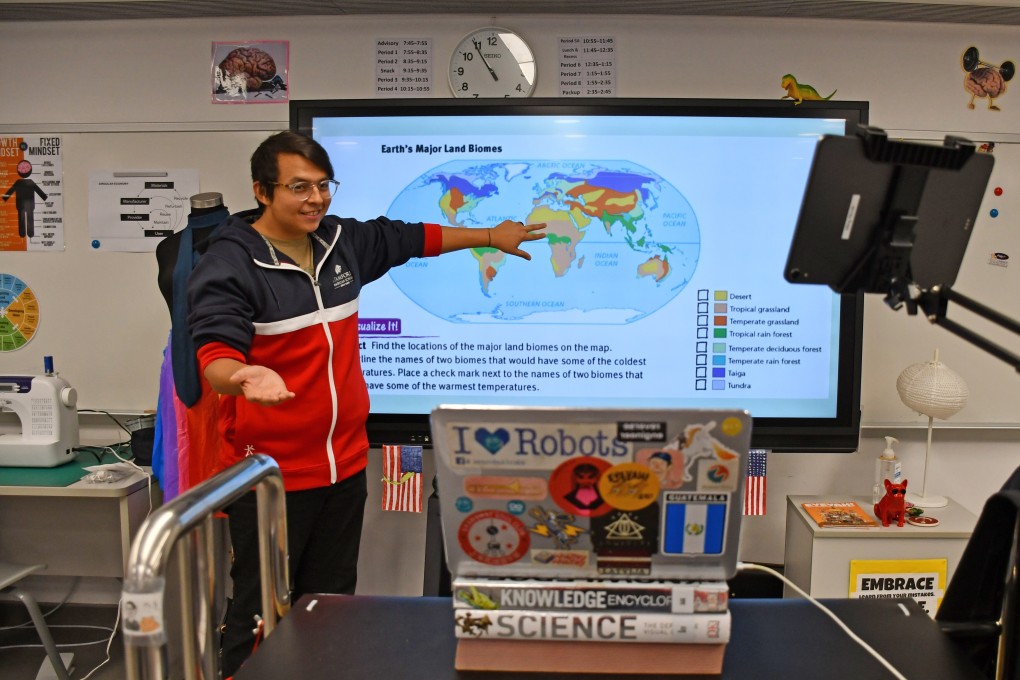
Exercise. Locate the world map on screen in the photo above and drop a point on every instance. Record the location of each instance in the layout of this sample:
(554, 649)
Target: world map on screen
(620, 242)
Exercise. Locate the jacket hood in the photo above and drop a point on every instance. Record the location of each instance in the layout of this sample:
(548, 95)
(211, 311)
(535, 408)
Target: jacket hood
(238, 230)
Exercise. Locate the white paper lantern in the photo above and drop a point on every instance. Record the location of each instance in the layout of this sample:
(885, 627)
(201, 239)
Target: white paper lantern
(937, 391)
(932, 389)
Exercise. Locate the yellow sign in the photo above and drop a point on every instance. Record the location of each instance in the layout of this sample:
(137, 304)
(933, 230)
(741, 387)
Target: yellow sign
(920, 580)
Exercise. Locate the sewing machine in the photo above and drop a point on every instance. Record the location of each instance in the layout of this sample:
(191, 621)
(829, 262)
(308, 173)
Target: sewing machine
(45, 405)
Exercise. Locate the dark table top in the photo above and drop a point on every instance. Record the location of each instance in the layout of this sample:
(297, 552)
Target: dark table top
(398, 638)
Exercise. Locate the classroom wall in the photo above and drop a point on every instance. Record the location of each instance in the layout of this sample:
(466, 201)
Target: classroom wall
(135, 95)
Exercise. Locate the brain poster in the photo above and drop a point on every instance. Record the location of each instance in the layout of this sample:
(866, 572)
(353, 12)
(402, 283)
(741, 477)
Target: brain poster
(31, 194)
(250, 72)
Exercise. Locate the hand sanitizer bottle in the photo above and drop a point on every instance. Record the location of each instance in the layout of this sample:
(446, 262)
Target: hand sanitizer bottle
(886, 467)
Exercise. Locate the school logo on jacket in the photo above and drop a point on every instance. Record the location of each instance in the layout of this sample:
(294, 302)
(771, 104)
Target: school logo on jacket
(340, 277)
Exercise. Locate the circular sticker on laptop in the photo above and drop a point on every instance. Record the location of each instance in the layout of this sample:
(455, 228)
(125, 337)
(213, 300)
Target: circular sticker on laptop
(731, 427)
(493, 537)
(629, 486)
(574, 486)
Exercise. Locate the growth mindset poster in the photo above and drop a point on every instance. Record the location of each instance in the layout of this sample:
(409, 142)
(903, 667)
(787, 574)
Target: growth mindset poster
(31, 194)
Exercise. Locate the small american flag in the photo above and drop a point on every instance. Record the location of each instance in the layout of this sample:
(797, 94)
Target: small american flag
(401, 478)
(754, 492)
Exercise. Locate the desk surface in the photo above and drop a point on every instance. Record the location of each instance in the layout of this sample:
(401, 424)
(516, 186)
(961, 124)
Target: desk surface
(67, 480)
(955, 521)
(402, 638)
(122, 487)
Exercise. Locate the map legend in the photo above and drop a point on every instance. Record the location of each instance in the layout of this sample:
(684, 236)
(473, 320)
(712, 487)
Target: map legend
(701, 352)
(719, 348)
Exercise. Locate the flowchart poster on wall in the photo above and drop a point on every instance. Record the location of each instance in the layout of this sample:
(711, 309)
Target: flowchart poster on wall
(923, 580)
(32, 198)
(133, 210)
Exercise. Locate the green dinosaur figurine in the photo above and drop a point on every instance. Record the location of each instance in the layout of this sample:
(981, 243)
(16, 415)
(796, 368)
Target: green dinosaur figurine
(799, 93)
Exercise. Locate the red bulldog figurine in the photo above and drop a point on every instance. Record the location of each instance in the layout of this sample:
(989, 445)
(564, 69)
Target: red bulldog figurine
(892, 507)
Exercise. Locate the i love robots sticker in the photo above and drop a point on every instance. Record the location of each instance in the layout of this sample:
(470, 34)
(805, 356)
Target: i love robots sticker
(539, 446)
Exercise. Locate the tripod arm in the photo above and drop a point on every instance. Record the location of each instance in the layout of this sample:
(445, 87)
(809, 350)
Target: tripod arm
(935, 303)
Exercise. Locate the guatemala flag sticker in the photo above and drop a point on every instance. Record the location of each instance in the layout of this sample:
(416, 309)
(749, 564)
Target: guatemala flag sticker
(693, 523)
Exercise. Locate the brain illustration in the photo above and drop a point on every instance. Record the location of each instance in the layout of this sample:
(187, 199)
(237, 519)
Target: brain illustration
(251, 63)
(985, 82)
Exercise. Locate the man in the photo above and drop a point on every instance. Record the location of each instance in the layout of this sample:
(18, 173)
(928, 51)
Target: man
(24, 191)
(273, 312)
(661, 465)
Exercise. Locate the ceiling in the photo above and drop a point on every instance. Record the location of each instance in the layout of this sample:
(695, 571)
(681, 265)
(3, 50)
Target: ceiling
(990, 12)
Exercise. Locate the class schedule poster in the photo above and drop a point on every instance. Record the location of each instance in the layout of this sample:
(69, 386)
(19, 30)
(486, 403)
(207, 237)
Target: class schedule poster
(31, 194)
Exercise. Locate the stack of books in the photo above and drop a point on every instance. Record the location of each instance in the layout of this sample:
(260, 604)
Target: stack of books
(539, 625)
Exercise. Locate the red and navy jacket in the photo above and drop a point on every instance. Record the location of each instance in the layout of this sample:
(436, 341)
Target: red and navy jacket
(249, 302)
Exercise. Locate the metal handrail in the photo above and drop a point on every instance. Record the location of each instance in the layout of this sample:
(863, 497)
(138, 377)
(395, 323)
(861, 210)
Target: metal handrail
(189, 517)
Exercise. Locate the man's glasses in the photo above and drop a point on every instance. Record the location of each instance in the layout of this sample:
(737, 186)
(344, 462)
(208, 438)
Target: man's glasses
(303, 190)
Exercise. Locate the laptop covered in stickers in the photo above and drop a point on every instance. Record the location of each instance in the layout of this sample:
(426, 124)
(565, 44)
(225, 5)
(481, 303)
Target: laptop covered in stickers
(554, 493)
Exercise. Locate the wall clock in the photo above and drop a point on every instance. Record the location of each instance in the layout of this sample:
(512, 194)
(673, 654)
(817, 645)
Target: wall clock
(492, 62)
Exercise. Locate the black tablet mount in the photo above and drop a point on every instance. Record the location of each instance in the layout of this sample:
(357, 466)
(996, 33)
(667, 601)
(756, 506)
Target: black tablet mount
(934, 303)
(885, 267)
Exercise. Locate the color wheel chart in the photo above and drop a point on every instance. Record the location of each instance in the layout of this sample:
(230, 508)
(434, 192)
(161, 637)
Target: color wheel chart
(19, 313)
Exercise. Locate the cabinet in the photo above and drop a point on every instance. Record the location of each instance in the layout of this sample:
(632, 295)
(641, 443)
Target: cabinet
(818, 558)
(78, 530)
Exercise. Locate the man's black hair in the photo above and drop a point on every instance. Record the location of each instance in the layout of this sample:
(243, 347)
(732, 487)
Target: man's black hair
(663, 456)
